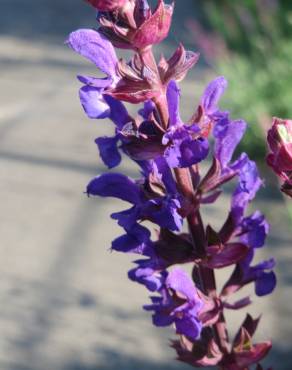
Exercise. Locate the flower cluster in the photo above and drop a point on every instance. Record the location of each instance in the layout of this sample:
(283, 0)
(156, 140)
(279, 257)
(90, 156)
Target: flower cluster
(172, 189)
(280, 158)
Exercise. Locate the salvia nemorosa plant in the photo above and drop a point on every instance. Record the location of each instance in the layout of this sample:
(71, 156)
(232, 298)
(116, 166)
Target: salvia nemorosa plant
(172, 188)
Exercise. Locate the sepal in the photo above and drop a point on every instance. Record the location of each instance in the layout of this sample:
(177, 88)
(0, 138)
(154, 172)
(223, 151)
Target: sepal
(201, 353)
(219, 256)
(178, 65)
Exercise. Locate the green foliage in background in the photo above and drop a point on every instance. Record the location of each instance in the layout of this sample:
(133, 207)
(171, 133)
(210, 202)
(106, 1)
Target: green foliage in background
(257, 35)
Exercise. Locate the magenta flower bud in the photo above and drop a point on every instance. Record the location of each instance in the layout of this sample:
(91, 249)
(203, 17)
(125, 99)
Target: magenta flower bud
(107, 5)
(280, 142)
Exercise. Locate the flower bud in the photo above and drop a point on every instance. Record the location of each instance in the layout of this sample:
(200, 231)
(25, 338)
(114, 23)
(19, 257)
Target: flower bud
(280, 142)
(140, 27)
(155, 28)
(107, 5)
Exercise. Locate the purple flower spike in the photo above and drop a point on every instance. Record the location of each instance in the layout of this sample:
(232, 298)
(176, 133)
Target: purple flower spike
(172, 189)
(179, 304)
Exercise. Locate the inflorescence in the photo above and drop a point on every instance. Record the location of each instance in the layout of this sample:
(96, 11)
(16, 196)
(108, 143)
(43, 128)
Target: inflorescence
(172, 189)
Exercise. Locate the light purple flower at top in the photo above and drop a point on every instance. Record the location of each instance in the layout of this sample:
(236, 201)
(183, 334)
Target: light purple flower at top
(185, 146)
(96, 48)
(179, 303)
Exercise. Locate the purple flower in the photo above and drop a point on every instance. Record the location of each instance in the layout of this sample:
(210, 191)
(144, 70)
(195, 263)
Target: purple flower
(136, 240)
(227, 136)
(185, 146)
(179, 304)
(208, 112)
(161, 208)
(248, 184)
(170, 249)
(254, 230)
(108, 146)
(149, 272)
(95, 47)
(261, 274)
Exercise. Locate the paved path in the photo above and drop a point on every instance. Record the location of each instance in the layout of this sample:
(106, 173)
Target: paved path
(66, 303)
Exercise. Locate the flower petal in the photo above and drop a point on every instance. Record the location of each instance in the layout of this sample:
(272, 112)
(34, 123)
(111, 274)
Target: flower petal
(137, 240)
(265, 283)
(255, 229)
(179, 281)
(227, 136)
(95, 47)
(115, 185)
(189, 326)
(212, 94)
(108, 151)
(118, 112)
(93, 103)
(173, 97)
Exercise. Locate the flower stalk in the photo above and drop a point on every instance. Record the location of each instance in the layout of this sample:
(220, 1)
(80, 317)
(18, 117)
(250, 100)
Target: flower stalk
(172, 190)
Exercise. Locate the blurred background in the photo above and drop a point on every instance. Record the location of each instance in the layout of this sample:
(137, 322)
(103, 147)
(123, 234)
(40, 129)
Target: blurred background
(65, 300)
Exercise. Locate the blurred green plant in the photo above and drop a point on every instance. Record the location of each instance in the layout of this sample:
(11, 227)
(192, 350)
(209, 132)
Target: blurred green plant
(250, 43)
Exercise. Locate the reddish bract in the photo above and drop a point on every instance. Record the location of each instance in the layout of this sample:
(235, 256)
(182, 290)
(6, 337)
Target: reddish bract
(280, 142)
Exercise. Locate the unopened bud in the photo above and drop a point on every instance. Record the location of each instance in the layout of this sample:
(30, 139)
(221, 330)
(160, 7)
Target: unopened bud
(280, 142)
